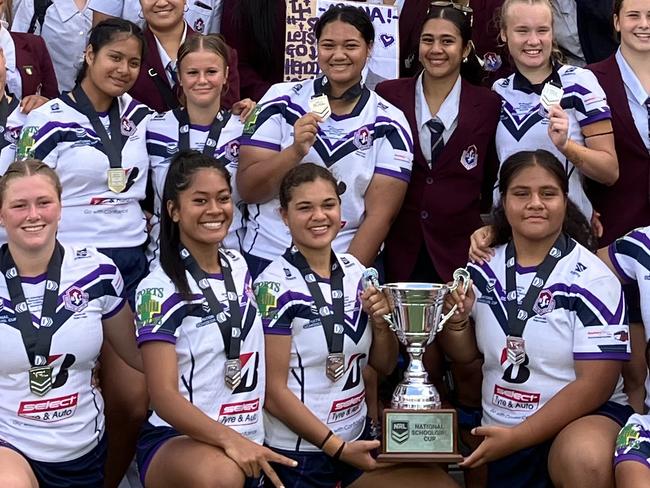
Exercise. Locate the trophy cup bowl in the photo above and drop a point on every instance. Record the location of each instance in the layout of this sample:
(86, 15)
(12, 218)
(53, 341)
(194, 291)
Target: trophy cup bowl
(416, 428)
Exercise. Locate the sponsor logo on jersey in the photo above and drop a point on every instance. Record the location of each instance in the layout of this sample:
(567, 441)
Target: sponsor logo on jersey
(75, 299)
(148, 306)
(545, 303)
(469, 158)
(81, 253)
(267, 301)
(50, 410)
(345, 408)
(25, 148)
(54, 108)
(171, 147)
(250, 363)
(240, 413)
(516, 400)
(127, 127)
(362, 138)
(232, 151)
(249, 125)
(622, 335)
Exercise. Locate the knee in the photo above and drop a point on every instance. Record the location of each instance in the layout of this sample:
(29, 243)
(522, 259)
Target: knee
(16, 480)
(582, 465)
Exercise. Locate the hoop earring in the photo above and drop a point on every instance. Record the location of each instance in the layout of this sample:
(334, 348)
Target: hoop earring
(185, 7)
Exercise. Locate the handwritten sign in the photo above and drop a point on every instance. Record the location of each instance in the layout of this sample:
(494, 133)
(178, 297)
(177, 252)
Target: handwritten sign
(301, 56)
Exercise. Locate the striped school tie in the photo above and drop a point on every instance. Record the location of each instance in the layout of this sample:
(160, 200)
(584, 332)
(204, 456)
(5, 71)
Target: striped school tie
(436, 128)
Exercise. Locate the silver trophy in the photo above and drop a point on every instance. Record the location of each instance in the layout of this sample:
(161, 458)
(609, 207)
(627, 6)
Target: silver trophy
(416, 429)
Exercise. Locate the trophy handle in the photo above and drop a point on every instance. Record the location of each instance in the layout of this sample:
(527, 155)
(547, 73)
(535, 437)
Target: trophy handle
(462, 279)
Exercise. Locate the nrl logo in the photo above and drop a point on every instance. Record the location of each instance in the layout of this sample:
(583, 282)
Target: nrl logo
(399, 431)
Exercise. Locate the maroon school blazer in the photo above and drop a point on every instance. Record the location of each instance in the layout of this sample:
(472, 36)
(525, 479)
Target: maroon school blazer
(443, 205)
(35, 66)
(626, 204)
(146, 91)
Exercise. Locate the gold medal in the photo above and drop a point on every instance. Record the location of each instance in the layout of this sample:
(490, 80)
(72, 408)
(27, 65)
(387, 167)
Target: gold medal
(117, 180)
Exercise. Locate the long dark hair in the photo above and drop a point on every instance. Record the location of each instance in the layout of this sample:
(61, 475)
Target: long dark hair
(104, 33)
(257, 18)
(179, 178)
(348, 14)
(575, 224)
(301, 174)
(471, 69)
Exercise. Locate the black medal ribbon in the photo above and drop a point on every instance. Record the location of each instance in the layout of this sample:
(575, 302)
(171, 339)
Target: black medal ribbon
(112, 145)
(231, 329)
(518, 315)
(216, 127)
(333, 324)
(321, 85)
(37, 340)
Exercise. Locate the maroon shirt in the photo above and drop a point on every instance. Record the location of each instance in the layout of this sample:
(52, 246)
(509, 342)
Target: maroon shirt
(443, 204)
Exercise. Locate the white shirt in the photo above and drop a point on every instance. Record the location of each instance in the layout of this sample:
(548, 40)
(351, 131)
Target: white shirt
(579, 315)
(14, 81)
(636, 98)
(68, 421)
(523, 128)
(373, 139)
(64, 139)
(65, 32)
(126, 9)
(163, 315)
(447, 114)
(165, 59)
(288, 309)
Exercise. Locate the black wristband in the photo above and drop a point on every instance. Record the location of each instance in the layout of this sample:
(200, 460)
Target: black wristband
(337, 454)
(327, 437)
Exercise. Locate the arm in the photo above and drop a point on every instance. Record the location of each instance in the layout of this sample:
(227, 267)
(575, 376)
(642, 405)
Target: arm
(383, 201)
(385, 348)
(603, 254)
(161, 371)
(597, 158)
(119, 331)
(261, 170)
(458, 338)
(595, 381)
(286, 407)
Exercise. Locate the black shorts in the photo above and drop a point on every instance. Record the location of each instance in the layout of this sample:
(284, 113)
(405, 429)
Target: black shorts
(86, 471)
(133, 267)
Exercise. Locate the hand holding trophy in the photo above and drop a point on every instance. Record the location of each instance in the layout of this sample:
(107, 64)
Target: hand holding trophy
(416, 428)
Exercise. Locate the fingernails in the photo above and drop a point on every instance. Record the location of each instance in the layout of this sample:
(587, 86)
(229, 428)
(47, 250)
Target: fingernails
(295, 463)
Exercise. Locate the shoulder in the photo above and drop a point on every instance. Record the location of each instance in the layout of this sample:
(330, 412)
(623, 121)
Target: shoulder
(274, 272)
(584, 267)
(235, 260)
(390, 88)
(160, 118)
(602, 67)
(132, 108)
(480, 95)
(89, 258)
(156, 283)
(579, 76)
(502, 85)
(290, 90)
(348, 261)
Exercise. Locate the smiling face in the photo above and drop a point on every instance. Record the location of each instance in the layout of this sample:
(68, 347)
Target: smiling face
(633, 23)
(162, 15)
(535, 204)
(114, 68)
(30, 212)
(342, 53)
(203, 211)
(313, 215)
(441, 48)
(529, 34)
(203, 75)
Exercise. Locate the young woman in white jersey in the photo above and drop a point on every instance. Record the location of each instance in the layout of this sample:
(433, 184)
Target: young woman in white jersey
(336, 121)
(94, 138)
(202, 343)
(202, 124)
(576, 128)
(58, 303)
(315, 394)
(549, 319)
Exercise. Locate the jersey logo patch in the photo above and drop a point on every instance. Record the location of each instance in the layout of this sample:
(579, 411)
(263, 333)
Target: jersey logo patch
(127, 127)
(362, 138)
(199, 25)
(545, 303)
(148, 307)
(75, 299)
(232, 151)
(469, 158)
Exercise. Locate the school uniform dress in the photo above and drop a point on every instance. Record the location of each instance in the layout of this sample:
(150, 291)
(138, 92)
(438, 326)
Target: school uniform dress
(29, 67)
(60, 433)
(165, 315)
(579, 315)
(156, 86)
(288, 309)
(523, 128)
(626, 204)
(163, 134)
(374, 138)
(65, 32)
(443, 201)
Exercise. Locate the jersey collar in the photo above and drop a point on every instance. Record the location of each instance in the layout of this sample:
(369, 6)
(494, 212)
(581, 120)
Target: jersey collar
(521, 83)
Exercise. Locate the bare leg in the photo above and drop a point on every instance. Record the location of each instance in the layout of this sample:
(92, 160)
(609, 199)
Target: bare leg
(15, 471)
(636, 369)
(632, 474)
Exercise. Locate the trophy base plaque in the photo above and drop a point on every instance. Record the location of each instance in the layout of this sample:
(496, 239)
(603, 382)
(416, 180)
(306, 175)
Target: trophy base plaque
(425, 436)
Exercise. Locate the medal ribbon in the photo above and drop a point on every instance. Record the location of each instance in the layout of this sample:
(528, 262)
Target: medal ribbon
(332, 323)
(112, 145)
(37, 340)
(211, 141)
(322, 86)
(231, 329)
(518, 315)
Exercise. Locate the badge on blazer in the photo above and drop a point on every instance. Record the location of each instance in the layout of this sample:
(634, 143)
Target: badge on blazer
(29, 69)
(469, 158)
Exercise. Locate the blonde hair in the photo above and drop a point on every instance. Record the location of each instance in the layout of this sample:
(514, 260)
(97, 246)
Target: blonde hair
(556, 53)
(29, 167)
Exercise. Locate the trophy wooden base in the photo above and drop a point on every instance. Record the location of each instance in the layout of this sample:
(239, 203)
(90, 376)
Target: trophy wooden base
(420, 436)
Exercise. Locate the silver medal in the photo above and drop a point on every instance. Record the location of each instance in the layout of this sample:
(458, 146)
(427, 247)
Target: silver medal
(516, 350)
(335, 367)
(232, 374)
